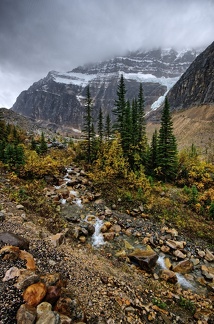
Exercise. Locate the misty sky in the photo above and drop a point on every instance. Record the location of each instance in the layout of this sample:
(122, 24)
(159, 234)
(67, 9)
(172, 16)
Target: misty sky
(37, 36)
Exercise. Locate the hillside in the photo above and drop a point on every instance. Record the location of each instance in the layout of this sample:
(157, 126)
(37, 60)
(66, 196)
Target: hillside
(191, 126)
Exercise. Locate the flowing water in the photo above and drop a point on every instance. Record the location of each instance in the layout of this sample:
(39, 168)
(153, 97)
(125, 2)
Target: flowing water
(97, 237)
(181, 279)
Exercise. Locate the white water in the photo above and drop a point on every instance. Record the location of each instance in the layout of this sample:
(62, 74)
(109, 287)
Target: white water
(78, 202)
(97, 237)
(181, 280)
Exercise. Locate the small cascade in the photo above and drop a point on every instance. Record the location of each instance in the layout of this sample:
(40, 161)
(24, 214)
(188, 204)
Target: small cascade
(78, 202)
(63, 201)
(97, 237)
(181, 279)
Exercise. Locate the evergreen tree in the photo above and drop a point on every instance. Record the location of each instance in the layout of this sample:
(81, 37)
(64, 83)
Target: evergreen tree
(153, 153)
(167, 147)
(43, 145)
(2, 127)
(141, 115)
(87, 127)
(135, 135)
(33, 144)
(120, 107)
(100, 125)
(107, 129)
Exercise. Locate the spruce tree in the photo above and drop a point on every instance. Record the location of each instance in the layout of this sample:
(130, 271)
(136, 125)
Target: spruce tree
(43, 145)
(153, 153)
(100, 126)
(120, 107)
(87, 126)
(167, 146)
(107, 128)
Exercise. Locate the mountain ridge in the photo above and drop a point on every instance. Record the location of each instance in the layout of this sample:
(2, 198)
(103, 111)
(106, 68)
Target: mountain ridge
(59, 97)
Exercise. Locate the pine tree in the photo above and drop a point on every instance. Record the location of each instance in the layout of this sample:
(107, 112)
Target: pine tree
(2, 127)
(167, 146)
(120, 107)
(87, 127)
(100, 125)
(43, 145)
(153, 153)
(107, 129)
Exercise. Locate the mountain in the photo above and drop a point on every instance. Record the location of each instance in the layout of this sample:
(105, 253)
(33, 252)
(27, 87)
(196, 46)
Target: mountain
(191, 101)
(196, 85)
(58, 99)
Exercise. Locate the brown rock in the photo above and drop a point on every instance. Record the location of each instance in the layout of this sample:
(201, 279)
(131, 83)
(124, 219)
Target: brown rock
(168, 275)
(71, 308)
(30, 264)
(57, 239)
(42, 308)
(10, 252)
(53, 294)
(115, 228)
(165, 249)
(35, 293)
(108, 236)
(209, 256)
(65, 319)
(183, 267)
(146, 260)
(179, 254)
(51, 279)
(26, 278)
(26, 314)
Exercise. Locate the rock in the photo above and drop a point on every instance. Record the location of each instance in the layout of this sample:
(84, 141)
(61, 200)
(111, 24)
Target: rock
(82, 239)
(35, 293)
(108, 236)
(172, 231)
(179, 254)
(115, 228)
(42, 308)
(65, 319)
(26, 278)
(30, 263)
(128, 246)
(195, 261)
(175, 244)
(146, 260)
(19, 207)
(201, 254)
(49, 317)
(57, 239)
(168, 263)
(53, 294)
(168, 275)
(10, 252)
(26, 314)
(2, 217)
(165, 249)
(11, 273)
(108, 212)
(209, 256)
(15, 240)
(183, 267)
(71, 308)
(121, 254)
(208, 272)
(51, 279)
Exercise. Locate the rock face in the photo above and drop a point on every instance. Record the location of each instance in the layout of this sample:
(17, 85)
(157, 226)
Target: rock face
(196, 86)
(58, 99)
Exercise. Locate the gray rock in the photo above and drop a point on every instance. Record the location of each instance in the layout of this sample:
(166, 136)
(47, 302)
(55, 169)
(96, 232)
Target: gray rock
(2, 217)
(26, 314)
(9, 238)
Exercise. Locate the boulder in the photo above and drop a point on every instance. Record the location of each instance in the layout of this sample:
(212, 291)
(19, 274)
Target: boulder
(26, 278)
(15, 240)
(42, 308)
(209, 256)
(26, 314)
(2, 217)
(179, 254)
(71, 308)
(168, 275)
(35, 293)
(146, 260)
(183, 267)
(11, 273)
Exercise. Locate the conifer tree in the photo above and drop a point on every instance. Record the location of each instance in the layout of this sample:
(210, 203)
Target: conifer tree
(43, 145)
(153, 153)
(120, 107)
(100, 125)
(87, 127)
(107, 129)
(167, 146)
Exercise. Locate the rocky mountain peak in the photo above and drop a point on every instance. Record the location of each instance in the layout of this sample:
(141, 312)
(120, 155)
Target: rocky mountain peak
(59, 97)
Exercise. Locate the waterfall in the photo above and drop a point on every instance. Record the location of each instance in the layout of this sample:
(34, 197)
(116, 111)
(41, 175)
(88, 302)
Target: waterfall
(78, 202)
(181, 279)
(97, 237)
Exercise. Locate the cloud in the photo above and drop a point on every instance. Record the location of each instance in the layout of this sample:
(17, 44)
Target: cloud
(43, 35)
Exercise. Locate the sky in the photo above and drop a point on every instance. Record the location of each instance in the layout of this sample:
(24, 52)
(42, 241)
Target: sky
(37, 36)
